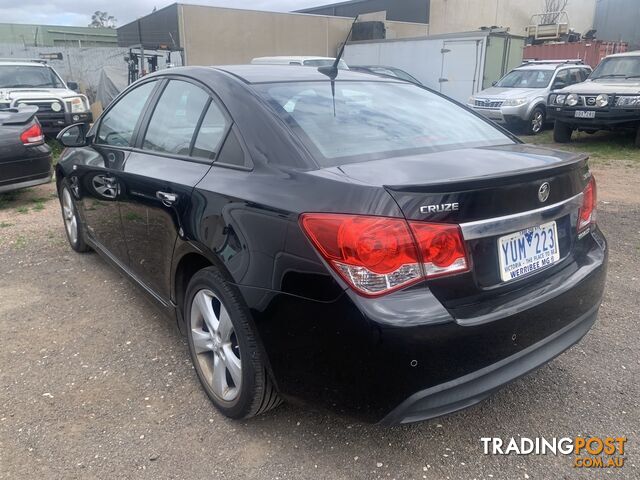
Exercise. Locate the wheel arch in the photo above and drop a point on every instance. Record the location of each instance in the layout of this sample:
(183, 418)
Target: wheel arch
(188, 259)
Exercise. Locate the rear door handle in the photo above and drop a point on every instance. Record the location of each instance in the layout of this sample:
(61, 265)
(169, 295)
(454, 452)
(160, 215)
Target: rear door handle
(167, 199)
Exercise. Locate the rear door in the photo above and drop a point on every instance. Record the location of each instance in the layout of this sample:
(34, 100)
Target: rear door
(461, 73)
(174, 151)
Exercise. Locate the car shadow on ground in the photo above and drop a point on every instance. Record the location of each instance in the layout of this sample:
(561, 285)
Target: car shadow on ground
(26, 200)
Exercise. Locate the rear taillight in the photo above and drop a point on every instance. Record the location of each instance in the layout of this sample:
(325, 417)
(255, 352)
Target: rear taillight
(587, 212)
(32, 135)
(376, 255)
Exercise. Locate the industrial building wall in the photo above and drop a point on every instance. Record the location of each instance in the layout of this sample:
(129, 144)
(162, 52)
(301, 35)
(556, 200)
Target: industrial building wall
(218, 36)
(449, 16)
(619, 21)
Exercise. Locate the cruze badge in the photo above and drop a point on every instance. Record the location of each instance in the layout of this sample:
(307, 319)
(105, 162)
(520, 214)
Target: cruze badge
(543, 192)
(443, 207)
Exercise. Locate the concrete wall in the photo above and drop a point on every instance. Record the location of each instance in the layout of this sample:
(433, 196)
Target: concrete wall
(449, 16)
(218, 36)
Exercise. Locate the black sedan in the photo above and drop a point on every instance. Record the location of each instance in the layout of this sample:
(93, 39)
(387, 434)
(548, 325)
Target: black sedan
(25, 160)
(363, 244)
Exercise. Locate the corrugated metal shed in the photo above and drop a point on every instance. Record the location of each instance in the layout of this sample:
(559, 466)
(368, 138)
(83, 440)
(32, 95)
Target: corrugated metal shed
(56, 35)
(415, 11)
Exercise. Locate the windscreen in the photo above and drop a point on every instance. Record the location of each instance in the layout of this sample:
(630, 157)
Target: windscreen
(617, 67)
(374, 120)
(526, 79)
(23, 76)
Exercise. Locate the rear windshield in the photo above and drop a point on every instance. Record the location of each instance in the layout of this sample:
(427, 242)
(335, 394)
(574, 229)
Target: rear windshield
(374, 120)
(22, 76)
(526, 79)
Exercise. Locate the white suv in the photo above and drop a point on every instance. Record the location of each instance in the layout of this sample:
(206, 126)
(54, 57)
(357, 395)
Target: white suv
(518, 100)
(33, 82)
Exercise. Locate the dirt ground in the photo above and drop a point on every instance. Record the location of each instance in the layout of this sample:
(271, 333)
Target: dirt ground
(95, 383)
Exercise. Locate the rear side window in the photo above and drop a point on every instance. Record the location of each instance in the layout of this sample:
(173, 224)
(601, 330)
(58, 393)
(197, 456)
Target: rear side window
(117, 125)
(212, 130)
(175, 118)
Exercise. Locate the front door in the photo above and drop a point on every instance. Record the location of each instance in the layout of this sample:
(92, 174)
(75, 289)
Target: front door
(173, 155)
(96, 179)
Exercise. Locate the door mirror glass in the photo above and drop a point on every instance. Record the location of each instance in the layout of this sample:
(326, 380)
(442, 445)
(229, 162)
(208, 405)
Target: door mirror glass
(72, 86)
(73, 136)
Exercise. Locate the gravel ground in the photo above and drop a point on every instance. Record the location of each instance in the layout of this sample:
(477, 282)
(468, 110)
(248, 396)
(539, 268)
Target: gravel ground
(95, 383)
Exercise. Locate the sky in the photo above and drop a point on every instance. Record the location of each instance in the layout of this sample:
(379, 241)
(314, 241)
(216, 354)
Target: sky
(78, 12)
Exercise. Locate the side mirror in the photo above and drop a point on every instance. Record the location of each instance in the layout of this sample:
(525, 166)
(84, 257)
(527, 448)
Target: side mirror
(73, 136)
(73, 86)
(558, 84)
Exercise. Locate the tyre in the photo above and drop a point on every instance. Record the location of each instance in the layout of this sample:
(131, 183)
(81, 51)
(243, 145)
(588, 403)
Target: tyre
(536, 121)
(224, 348)
(72, 225)
(562, 132)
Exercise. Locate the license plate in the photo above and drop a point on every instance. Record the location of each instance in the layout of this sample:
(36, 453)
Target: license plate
(585, 114)
(528, 251)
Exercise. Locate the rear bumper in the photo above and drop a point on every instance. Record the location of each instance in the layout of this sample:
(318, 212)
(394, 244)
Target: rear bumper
(470, 389)
(8, 187)
(404, 357)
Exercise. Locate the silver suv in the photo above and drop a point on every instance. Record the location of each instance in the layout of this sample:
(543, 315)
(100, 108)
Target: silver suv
(518, 100)
(33, 82)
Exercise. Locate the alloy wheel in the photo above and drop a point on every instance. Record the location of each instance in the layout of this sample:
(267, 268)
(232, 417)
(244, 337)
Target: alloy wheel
(216, 345)
(70, 219)
(537, 122)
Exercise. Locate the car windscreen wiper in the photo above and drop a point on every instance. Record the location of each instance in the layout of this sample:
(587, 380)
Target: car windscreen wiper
(633, 76)
(609, 75)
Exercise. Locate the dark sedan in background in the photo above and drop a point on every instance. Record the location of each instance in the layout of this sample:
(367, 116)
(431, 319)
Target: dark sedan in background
(360, 243)
(25, 159)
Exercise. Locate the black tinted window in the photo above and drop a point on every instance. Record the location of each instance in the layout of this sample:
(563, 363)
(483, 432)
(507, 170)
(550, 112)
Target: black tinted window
(118, 124)
(175, 118)
(232, 153)
(211, 133)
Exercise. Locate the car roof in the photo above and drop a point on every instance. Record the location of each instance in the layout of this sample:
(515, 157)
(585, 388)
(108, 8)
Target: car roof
(291, 73)
(634, 53)
(294, 57)
(23, 63)
(550, 66)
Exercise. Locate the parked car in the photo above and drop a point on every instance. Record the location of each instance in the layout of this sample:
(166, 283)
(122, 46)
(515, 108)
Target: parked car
(33, 82)
(25, 159)
(299, 61)
(385, 71)
(519, 99)
(365, 244)
(608, 100)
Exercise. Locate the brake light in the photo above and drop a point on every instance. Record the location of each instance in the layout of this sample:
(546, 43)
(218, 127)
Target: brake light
(32, 135)
(587, 212)
(376, 255)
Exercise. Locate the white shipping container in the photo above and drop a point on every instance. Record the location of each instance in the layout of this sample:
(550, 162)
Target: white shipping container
(457, 65)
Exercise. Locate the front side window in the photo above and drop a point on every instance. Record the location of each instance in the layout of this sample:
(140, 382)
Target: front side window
(118, 124)
(175, 118)
(375, 120)
(27, 76)
(526, 79)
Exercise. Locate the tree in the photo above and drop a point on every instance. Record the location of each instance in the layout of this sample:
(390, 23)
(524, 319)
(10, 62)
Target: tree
(102, 19)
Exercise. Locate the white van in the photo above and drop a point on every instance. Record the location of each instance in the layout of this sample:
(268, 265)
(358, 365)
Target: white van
(302, 61)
